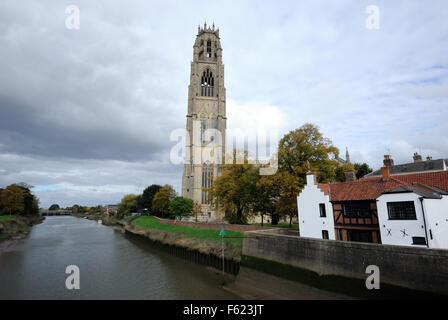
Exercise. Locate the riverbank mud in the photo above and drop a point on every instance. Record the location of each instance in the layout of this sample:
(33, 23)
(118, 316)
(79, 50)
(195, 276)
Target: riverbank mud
(13, 230)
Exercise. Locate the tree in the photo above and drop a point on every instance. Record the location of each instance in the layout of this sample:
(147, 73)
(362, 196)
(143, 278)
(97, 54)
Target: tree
(197, 209)
(289, 187)
(12, 200)
(96, 210)
(145, 201)
(362, 169)
(162, 199)
(306, 149)
(180, 206)
(31, 203)
(127, 205)
(18, 199)
(75, 209)
(54, 207)
(233, 190)
(267, 193)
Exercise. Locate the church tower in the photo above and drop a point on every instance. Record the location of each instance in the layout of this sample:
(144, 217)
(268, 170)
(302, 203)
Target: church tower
(206, 118)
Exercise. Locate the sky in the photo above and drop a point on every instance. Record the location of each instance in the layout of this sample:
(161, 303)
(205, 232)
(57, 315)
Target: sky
(86, 114)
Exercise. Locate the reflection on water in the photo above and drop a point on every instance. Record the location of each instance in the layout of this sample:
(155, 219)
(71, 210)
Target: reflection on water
(111, 266)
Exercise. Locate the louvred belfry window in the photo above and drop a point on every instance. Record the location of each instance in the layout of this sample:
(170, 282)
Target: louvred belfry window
(207, 84)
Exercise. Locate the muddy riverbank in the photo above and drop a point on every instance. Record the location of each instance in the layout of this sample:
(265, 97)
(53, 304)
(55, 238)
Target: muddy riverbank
(17, 228)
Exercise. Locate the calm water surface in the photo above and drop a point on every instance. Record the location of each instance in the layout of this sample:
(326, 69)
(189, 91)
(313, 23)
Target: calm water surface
(112, 266)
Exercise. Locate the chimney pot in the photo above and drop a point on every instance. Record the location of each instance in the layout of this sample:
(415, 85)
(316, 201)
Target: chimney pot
(428, 158)
(417, 157)
(350, 175)
(388, 161)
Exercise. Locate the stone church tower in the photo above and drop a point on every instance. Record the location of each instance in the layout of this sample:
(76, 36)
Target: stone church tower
(206, 118)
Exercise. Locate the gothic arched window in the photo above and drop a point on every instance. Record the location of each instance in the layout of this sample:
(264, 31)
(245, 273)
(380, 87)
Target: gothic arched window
(207, 83)
(207, 179)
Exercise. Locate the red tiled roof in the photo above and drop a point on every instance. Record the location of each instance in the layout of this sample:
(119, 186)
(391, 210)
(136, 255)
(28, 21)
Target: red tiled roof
(324, 187)
(372, 187)
(433, 179)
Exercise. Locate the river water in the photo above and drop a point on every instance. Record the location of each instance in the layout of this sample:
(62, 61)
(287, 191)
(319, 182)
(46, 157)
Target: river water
(112, 266)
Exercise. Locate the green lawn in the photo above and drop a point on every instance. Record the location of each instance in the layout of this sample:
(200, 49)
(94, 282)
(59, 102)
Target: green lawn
(208, 235)
(8, 217)
(279, 225)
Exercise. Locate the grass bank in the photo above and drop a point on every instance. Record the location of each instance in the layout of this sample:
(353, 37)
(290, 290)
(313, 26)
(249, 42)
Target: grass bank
(8, 217)
(15, 227)
(199, 234)
(279, 225)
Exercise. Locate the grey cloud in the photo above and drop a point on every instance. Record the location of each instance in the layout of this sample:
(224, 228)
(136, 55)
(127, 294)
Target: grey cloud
(93, 109)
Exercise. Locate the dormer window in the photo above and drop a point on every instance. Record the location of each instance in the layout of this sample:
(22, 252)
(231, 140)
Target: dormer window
(207, 83)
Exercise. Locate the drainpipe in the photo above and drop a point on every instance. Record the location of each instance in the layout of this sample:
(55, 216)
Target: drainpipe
(424, 222)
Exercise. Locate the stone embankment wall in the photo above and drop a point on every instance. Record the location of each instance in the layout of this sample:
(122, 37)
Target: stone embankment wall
(341, 266)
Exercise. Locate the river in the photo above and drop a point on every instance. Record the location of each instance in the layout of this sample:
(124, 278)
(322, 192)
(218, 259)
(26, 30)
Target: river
(112, 266)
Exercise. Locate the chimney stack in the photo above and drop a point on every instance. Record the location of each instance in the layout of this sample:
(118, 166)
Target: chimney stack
(417, 157)
(385, 172)
(388, 161)
(350, 175)
(428, 158)
(311, 178)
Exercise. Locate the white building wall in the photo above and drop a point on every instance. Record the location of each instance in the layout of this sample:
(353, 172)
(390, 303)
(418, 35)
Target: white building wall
(436, 213)
(400, 232)
(310, 222)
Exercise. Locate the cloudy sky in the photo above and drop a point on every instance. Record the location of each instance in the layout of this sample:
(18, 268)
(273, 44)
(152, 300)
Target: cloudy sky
(86, 115)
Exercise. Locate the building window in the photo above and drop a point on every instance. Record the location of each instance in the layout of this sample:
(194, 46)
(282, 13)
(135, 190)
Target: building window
(356, 210)
(207, 179)
(403, 210)
(325, 234)
(419, 240)
(359, 236)
(323, 213)
(207, 84)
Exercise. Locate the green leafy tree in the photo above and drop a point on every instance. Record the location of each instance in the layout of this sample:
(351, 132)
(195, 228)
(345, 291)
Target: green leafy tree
(362, 169)
(18, 199)
(127, 205)
(12, 200)
(286, 205)
(180, 207)
(162, 199)
(31, 203)
(96, 210)
(265, 197)
(75, 209)
(54, 207)
(232, 192)
(305, 149)
(145, 200)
